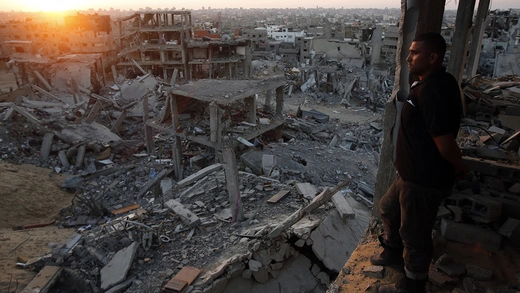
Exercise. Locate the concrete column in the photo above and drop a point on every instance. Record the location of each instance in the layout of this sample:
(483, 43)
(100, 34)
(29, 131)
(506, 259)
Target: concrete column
(213, 121)
(279, 100)
(476, 38)
(251, 106)
(176, 147)
(148, 131)
(114, 72)
(45, 83)
(268, 99)
(231, 170)
(461, 38)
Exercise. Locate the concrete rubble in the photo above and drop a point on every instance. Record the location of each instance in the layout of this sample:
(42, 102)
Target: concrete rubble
(139, 226)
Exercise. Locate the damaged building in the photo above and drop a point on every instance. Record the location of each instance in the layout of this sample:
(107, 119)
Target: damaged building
(164, 42)
(186, 177)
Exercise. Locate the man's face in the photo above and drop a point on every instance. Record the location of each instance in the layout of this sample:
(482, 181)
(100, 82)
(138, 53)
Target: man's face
(419, 59)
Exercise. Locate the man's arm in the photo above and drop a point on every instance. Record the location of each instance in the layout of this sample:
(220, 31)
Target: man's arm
(450, 151)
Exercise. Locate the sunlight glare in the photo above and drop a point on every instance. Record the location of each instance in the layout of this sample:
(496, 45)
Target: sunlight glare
(47, 6)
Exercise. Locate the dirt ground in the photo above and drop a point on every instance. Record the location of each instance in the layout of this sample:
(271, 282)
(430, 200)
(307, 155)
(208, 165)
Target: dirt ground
(29, 195)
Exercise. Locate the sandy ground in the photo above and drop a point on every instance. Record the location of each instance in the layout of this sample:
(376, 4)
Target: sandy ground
(28, 195)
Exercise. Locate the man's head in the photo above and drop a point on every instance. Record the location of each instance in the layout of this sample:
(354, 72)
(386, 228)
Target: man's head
(426, 54)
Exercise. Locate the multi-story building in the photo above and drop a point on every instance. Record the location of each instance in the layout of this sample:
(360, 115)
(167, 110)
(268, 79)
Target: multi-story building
(163, 42)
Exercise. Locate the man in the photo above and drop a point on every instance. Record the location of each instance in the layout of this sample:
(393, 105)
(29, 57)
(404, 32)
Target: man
(428, 163)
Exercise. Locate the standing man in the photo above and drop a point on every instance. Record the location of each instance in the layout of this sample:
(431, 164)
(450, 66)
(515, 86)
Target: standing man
(428, 163)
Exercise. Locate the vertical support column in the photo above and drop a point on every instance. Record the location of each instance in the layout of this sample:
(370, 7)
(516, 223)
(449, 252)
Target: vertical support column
(251, 105)
(476, 38)
(231, 170)
(176, 147)
(229, 66)
(460, 38)
(279, 100)
(268, 100)
(165, 73)
(148, 131)
(114, 72)
(213, 121)
(174, 76)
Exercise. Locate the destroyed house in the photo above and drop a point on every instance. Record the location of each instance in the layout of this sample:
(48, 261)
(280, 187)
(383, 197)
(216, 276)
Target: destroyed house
(209, 111)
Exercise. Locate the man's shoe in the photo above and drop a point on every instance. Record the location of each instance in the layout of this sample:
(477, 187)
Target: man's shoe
(404, 285)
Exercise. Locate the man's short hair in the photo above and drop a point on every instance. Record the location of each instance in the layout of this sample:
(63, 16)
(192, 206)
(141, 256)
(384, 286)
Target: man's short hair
(434, 42)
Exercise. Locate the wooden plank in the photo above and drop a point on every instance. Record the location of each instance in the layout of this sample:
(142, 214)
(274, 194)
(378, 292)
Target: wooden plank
(342, 206)
(119, 121)
(278, 196)
(125, 209)
(43, 281)
(307, 190)
(180, 282)
(299, 214)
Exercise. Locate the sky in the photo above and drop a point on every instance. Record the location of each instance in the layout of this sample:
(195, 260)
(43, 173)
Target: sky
(61, 5)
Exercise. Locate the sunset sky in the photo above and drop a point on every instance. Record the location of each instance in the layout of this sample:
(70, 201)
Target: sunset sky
(61, 5)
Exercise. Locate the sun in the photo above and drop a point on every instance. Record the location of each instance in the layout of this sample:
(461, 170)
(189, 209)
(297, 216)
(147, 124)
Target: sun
(47, 5)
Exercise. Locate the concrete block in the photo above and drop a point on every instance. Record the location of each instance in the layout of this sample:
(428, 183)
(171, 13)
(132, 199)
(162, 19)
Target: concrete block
(117, 268)
(315, 269)
(478, 273)
(254, 265)
(324, 278)
(470, 234)
(235, 270)
(449, 266)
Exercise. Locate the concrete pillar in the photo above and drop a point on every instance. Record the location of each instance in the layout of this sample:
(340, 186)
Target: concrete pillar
(114, 72)
(176, 147)
(45, 83)
(268, 99)
(148, 131)
(251, 106)
(476, 38)
(279, 100)
(213, 121)
(231, 170)
(461, 38)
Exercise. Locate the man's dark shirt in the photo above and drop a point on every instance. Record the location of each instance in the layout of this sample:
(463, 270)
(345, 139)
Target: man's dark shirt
(433, 109)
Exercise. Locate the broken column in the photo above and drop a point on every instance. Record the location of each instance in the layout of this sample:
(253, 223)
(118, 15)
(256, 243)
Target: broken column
(232, 183)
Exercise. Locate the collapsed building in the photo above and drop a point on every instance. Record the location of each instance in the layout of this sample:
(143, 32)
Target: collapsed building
(158, 187)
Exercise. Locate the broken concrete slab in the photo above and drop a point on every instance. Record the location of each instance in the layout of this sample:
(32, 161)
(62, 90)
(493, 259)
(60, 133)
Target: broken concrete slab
(307, 190)
(117, 268)
(186, 215)
(374, 271)
(201, 173)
